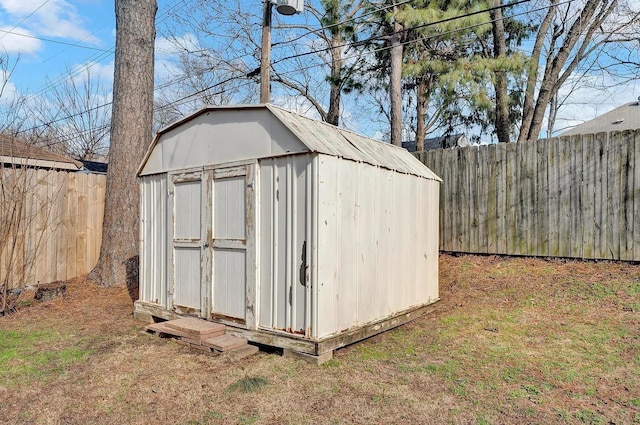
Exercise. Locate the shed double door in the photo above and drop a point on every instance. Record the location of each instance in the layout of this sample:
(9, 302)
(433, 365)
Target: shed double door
(213, 243)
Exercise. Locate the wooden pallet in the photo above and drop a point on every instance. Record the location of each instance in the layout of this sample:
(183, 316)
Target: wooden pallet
(203, 336)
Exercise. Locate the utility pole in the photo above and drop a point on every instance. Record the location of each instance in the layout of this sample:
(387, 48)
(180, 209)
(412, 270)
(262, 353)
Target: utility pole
(265, 54)
(284, 7)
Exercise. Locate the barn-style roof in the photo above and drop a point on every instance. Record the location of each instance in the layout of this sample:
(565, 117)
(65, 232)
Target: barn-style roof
(263, 131)
(17, 152)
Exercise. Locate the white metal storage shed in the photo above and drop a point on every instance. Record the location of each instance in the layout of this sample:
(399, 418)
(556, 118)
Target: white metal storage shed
(293, 232)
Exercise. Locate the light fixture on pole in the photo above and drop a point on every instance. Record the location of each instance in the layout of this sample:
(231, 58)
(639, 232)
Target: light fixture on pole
(283, 7)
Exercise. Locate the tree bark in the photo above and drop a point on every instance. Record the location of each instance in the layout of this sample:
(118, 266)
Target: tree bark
(335, 93)
(395, 83)
(502, 124)
(131, 127)
(532, 74)
(423, 87)
(555, 65)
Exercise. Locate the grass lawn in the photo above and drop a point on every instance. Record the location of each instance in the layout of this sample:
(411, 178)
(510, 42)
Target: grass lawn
(513, 341)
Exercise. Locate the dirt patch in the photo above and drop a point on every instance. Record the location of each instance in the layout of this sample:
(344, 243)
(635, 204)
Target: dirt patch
(513, 340)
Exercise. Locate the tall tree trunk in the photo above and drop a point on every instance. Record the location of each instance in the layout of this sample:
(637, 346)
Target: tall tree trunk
(532, 73)
(422, 101)
(131, 127)
(502, 124)
(553, 114)
(552, 71)
(395, 85)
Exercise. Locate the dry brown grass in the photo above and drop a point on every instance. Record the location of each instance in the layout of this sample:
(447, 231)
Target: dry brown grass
(513, 340)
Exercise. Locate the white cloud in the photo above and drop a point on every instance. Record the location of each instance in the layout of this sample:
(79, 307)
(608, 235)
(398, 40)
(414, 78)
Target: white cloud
(14, 42)
(96, 71)
(166, 70)
(55, 18)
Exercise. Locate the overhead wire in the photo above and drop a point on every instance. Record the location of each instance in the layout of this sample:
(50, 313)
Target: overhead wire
(183, 99)
(346, 21)
(428, 24)
(355, 55)
(102, 55)
(25, 18)
(50, 40)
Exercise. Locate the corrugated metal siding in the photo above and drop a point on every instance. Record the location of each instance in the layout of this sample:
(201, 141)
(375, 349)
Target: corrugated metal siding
(153, 249)
(186, 241)
(376, 249)
(285, 233)
(229, 265)
(220, 137)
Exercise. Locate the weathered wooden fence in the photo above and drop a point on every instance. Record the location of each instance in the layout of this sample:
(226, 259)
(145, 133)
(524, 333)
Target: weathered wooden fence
(50, 225)
(575, 196)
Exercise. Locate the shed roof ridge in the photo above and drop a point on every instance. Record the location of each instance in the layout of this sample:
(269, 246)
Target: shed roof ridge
(340, 129)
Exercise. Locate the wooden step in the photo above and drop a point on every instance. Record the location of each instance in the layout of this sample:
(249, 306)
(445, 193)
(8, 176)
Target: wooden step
(241, 352)
(207, 337)
(224, 342)
(164, 329)
(196, 328)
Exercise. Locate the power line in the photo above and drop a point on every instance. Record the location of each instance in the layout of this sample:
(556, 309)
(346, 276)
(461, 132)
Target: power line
(346, 21)
(378, 37)
(24, 19)
(49, 40)
(182, 100)
(98, 57)
(356, 55)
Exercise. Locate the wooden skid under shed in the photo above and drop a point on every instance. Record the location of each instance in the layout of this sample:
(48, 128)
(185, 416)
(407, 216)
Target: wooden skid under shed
(203, 336)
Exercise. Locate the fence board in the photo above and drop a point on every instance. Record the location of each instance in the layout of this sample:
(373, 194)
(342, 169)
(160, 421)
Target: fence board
(575, 192)
(587, 194)
(626, 196)
(484, 199)
(473, 209)
(553, 171)
(511, 224)
(600, 236)
(53, 242)
(72, 210)
(573, 196)
(636, 195)
(541, 233)
(564, 196)
(613, 199)
(501, 200)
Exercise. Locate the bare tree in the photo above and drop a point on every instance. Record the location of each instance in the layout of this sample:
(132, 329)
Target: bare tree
(81, 107)
(131, 125)
(566, 37)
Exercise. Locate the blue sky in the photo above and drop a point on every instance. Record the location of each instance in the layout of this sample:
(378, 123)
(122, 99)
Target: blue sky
(84, 34)
(88, 23)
